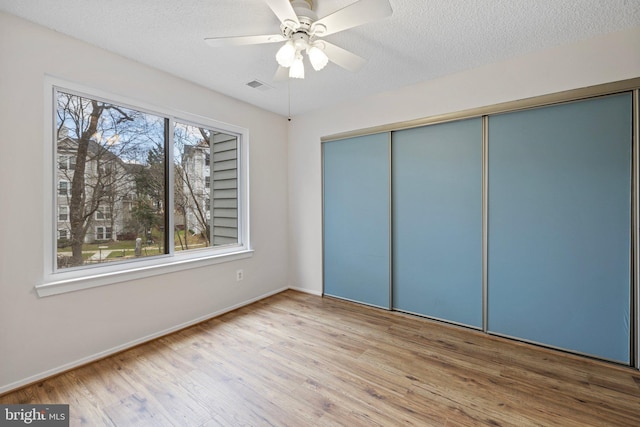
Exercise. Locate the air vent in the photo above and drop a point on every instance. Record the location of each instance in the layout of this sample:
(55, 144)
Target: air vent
(257, 84)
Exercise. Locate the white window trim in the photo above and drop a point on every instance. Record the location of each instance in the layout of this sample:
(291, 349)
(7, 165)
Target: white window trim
(61, 281)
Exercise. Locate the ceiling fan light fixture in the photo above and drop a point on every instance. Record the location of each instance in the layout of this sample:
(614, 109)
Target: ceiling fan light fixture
(317, 57)
(296, 71)
(286, 55)
(300, 29)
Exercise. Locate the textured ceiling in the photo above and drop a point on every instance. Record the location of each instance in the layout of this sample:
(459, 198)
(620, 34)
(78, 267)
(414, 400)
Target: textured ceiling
(422, 40)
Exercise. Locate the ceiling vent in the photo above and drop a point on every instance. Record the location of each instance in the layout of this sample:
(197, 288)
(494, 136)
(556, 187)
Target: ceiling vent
(257, 84)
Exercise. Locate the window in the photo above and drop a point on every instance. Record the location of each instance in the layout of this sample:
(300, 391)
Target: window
(103, 233)
(66, 162)
(63, 188)
(103, 213)
(149, 183)
(202, 155)
(124, 154)
(63, 213)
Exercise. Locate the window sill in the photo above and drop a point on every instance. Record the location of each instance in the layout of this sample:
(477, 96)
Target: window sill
(161, 266)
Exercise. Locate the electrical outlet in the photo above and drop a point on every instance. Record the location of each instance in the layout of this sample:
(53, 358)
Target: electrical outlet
(239, 275)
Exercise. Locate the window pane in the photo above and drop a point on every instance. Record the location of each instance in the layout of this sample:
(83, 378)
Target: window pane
(206, 181)
(111, 181)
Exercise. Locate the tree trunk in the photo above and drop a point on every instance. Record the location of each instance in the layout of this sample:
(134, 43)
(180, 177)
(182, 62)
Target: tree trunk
(76, 205)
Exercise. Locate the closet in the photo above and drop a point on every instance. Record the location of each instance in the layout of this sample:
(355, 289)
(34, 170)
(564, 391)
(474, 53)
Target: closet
(516, 222)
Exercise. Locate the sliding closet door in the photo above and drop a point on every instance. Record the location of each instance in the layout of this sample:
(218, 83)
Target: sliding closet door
(356, 219)
(560, 226)
(437, 221)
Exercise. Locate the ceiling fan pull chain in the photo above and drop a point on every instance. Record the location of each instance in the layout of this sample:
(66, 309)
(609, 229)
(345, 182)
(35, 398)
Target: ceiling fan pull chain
(289, 96)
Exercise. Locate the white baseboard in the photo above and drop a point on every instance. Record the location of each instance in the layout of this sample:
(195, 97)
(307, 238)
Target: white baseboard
(306, 291)
(117, 349)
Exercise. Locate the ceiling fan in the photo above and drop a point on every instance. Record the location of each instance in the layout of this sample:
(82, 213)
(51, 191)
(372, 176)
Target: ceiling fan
(301, 30)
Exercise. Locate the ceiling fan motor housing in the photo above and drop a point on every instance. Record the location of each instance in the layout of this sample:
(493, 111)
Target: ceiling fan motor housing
(300, 40)
(307, 4)
(306, 17)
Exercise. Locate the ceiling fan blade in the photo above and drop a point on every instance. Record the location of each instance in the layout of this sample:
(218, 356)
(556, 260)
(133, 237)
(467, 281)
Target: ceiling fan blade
(243, 40)
(283, 10)
(358, 13)
(345, 59)
(281, 75)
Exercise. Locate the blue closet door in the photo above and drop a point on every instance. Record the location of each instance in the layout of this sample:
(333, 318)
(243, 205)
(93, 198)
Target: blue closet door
(356, 219)
(437, 221)
(560, 226)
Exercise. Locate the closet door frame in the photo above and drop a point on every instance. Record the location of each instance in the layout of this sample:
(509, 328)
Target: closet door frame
(635, 231)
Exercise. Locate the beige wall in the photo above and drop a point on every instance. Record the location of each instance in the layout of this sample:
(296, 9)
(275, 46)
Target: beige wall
(40, 336)
(606, 59)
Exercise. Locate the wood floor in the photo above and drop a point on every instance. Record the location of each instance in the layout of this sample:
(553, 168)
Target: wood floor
(301, 360)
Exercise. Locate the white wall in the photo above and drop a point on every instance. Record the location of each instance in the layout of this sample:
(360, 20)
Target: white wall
(39, 336)
(606, 59)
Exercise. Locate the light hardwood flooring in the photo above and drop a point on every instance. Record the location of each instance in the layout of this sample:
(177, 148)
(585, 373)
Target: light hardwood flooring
(301, 360)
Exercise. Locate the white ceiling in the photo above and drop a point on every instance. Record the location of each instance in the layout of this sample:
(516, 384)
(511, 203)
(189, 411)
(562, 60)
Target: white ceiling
(422, 40)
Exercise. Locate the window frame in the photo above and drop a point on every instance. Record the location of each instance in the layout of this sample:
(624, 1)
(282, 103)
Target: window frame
(56, 281)
(66, 160)
(67, 188)
(103, 213)
(102, 231)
